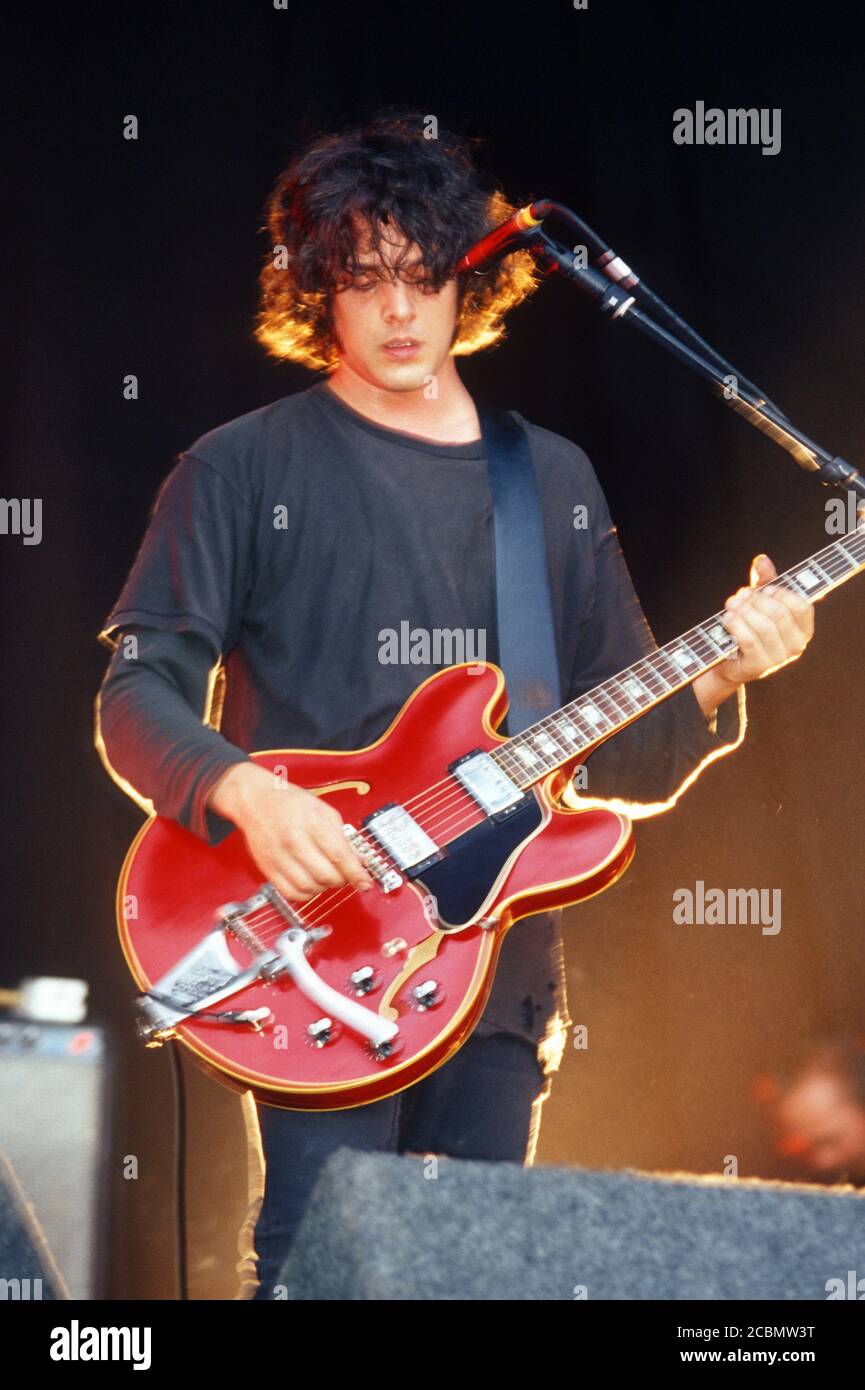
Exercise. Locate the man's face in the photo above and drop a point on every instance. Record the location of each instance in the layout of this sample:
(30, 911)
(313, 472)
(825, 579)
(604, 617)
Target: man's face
(380, 309)
(823, 1127)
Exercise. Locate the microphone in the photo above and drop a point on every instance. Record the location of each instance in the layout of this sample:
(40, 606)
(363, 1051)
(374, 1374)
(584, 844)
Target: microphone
(521, 230)
(496, 244)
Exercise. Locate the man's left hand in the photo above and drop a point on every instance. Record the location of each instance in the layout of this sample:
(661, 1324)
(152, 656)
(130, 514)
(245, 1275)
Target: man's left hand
(771, 626)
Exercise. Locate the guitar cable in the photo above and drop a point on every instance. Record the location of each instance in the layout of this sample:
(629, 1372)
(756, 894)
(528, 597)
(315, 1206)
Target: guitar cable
(180, 1171)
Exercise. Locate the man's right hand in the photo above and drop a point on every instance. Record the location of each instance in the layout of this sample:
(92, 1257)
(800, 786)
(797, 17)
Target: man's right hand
(295, 838)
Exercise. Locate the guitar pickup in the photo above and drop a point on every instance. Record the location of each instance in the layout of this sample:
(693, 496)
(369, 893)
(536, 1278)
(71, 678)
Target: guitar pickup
(400, 836)
(492, 789)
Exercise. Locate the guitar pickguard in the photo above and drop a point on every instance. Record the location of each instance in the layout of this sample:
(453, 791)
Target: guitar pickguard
(462, 881)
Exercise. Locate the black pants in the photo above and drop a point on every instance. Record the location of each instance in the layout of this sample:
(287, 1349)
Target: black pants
(478, 1105)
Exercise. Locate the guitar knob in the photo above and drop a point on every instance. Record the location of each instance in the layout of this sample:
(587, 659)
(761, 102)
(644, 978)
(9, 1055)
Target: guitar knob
(364, 980)
(427, 996)
(322, 1032)
(386, 1051)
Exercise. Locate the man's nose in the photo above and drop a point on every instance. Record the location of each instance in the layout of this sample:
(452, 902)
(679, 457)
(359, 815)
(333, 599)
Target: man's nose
(397, 302)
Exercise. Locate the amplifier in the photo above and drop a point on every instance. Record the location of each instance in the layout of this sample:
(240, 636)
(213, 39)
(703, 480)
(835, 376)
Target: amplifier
(53, 1137)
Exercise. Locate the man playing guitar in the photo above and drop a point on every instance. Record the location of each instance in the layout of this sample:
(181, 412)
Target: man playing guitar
(285, 542)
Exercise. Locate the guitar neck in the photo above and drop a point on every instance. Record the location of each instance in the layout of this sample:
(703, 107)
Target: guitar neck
(576, 727)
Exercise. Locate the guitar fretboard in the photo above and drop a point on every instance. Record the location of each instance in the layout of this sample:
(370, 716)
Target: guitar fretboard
(540, 749)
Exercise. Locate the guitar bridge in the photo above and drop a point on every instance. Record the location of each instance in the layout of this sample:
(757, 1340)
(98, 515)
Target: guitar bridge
(388, 879)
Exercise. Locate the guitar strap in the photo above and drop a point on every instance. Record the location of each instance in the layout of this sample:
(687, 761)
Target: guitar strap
(524, 610)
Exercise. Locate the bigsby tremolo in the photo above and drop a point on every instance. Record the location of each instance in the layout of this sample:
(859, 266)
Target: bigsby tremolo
(208, 974)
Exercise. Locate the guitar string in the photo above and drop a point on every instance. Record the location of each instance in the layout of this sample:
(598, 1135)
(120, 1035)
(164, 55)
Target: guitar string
(329, 899)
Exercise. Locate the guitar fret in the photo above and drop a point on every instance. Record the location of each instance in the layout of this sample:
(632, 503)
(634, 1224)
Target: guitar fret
(506, 761)
(806, 579)
(704, 650)
(547, 744)
(607, 703)
(557, 734)
(819, 567)
(595, 717)
(684, 658)
(719, 637)
(619, 698)
(662, 656)
(652, 674)
(636, 690)
(566, 729)
(586, 729)
(800, 589)
(718, 642)
(526, 755)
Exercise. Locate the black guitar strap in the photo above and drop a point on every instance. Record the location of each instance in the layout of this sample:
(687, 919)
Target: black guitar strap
(524, 610)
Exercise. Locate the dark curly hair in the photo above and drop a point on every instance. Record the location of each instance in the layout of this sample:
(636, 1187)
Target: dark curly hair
(398, 169)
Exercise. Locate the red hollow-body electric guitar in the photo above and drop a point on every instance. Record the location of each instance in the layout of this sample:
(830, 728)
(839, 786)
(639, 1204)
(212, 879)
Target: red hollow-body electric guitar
(351, 997)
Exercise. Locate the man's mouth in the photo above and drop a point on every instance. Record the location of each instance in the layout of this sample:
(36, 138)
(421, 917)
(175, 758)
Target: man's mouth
(401, 348)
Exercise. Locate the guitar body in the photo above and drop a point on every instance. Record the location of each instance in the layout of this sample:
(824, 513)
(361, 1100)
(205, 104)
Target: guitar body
(441, 927)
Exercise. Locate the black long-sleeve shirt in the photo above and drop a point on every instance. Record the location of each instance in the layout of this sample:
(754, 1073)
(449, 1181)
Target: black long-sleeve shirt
(284, 544)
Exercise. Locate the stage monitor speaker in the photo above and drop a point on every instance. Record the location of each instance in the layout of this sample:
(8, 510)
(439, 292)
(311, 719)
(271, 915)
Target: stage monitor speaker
(53, 1136)
(400, 1227)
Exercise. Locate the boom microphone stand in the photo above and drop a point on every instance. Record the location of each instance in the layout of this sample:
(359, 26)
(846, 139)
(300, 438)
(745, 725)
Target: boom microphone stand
(615, 289)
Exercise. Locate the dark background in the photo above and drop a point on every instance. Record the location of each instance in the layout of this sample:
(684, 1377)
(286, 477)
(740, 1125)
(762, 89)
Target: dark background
(142, 257)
